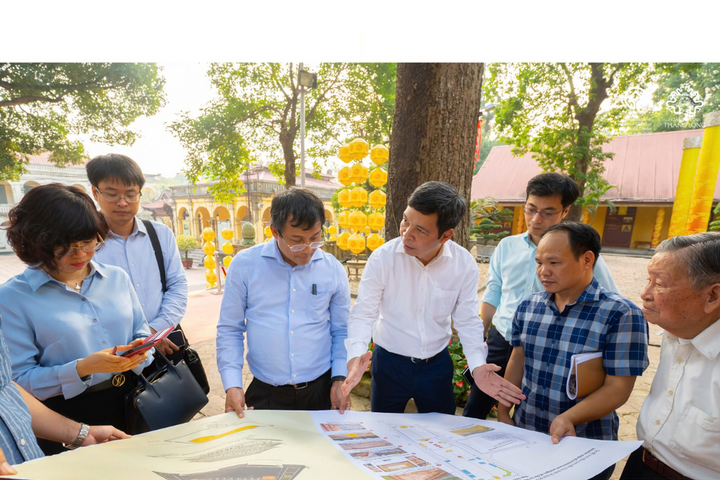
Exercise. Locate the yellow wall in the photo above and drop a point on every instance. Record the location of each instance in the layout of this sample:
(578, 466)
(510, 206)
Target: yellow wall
(598, 223)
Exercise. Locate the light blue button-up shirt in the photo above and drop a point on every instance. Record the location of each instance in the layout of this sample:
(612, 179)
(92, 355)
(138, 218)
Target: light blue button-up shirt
(49, 326)
(294, 336)
(17, 439)
(136, 256)
(512, 277)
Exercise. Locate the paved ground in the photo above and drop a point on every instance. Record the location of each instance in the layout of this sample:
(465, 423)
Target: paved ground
(204, 306)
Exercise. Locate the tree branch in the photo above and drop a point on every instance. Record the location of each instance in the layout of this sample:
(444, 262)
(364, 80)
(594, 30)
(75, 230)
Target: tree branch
(572, 98)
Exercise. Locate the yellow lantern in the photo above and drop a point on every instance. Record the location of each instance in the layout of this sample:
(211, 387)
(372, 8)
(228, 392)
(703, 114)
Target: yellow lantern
(332, 230)
(208, 234)
(379, 154)
(345, 154)
(356, 243)
(358, 220)
(226, 233)
(211, 277)
(209, 262)
(376, 221)
(367, 231)
(377, 199)
(358, 197)
(208, 247)
(268, 232)
(374, 241)
(344, 219)
(227, 260)
(359, 149)
(227, 248)
(345, 176)
(378, 177)
(332, 239)
(345, 198)
(358, 173)
(342, 240)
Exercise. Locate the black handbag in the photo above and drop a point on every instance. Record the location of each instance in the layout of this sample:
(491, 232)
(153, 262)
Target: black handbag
(177, 336)
(168, 397)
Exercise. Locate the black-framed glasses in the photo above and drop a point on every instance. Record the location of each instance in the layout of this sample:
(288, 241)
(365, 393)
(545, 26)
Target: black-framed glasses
(115, 197)
(545, 214)
(300, 248)
(89, 248)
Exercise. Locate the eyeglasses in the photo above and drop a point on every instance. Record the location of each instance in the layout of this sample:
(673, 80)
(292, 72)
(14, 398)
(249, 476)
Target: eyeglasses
(544, 214)
(89, 248)
(300, 248)
(115, 197)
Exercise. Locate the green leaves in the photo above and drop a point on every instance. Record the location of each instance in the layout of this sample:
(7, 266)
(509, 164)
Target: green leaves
(256, 117)
(41, 104)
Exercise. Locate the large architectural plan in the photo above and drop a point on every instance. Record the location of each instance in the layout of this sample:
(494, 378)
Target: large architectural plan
(280, 445)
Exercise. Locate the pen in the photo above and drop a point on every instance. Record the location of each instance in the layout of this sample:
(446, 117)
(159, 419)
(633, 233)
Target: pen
(314, 289)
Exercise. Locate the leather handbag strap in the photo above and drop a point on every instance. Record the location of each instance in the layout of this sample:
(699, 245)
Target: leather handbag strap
(158, 252)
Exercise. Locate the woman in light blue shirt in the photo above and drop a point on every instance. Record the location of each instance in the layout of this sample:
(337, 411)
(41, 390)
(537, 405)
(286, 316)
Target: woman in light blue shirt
(65, 316)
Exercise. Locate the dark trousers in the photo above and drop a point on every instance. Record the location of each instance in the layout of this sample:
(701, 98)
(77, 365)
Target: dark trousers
(105, 407)
(605, 474)
(314, 395)
(396, 379)
(636, 469)
(480, 404)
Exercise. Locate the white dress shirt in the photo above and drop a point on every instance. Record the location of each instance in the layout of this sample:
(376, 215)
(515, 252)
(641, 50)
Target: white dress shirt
(680, 418)
(406, 306)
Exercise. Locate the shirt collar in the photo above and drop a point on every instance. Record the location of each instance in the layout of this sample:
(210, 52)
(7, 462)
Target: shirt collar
(138, 227)
(37, 277)
(270, 249)
(707, 342)
(526, 237)
(590, 294)
(444, 251)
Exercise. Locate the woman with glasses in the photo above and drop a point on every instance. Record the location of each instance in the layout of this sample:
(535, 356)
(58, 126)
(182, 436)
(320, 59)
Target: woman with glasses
(65, 317)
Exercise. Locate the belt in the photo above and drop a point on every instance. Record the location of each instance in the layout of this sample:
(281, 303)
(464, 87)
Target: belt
(657, 466)
(296, 386)
(415, 359)
(116, 381)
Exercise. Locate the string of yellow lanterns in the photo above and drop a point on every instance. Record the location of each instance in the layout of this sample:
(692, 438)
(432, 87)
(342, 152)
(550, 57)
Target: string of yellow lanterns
(209, 248)
(354, 198)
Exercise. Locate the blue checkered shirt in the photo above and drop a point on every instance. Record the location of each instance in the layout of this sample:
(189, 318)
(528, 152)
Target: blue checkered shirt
(598, 321)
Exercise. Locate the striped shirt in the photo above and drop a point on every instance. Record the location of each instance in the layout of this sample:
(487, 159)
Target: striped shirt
(17, 439)
(598, 321)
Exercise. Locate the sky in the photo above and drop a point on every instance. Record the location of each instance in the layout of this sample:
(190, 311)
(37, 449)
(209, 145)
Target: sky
(187, 88)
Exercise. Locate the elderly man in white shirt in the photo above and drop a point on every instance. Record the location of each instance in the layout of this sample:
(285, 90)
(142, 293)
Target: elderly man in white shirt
(679, 423)
(410, 288)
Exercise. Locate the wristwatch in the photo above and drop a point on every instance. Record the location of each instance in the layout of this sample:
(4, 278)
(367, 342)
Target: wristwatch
(337, 378)
(81, 436)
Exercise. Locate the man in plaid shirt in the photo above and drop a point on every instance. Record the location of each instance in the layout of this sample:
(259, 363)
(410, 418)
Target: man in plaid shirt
(574, 315)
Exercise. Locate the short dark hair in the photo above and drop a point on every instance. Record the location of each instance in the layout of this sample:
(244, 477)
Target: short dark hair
(582, 238)
(700, 253)
(51, 216)
(302, 206)
(441, 198)
(115, 166)
(550, 184)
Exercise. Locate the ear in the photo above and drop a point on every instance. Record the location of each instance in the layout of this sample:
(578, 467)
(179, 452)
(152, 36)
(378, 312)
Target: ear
(712, 301)
(274, 231)
(446, 236)
(564, 213)
(94, 192)
(588, 260)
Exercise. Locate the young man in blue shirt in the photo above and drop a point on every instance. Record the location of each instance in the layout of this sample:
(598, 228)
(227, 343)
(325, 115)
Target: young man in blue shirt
(512, 277)
(117, 183)
(574, 315)
(293, 300)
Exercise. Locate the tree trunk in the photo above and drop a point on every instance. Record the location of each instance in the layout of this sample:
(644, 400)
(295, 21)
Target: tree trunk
(286, 141)
(433, 135)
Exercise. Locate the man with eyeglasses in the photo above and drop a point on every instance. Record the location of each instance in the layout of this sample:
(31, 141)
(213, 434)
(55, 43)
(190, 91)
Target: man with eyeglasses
(117, 183)
(512, 275)
(293, 300)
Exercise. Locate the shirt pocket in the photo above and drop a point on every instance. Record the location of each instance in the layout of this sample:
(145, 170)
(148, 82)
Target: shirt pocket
(696, 435)
(320, 305)
(442, 303)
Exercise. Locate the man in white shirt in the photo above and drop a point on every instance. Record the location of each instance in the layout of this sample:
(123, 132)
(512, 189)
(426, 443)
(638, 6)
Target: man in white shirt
(410, 288)
(117, 183)
(679, 423)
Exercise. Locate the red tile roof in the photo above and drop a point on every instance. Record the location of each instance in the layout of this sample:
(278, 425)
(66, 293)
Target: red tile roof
(644, 170)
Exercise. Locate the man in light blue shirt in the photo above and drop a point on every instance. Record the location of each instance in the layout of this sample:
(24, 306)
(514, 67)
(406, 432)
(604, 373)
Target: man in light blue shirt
(293, 300)
(117, 182)
(512, 274)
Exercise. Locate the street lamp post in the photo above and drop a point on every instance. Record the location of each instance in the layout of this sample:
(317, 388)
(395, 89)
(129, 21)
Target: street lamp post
(305, 79)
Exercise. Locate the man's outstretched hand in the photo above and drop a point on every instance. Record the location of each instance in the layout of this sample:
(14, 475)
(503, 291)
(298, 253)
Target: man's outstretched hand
(356, 368)
(497, 387)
